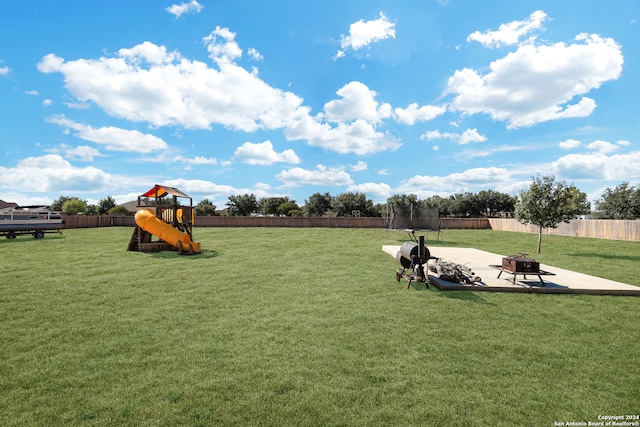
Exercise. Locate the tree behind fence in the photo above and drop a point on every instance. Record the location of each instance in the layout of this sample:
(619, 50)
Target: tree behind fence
(601, 229)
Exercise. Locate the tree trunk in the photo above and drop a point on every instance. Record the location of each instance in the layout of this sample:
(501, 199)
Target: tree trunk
(539, 237)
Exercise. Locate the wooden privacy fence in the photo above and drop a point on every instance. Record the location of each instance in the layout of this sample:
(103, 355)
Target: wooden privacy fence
(612, 229)
(464, 223)
(600, 229)
(91, 221)
(289, 221)
(335, 222)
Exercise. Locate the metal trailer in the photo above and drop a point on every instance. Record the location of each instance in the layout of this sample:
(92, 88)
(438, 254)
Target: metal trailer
(16, 222)
(36, 233)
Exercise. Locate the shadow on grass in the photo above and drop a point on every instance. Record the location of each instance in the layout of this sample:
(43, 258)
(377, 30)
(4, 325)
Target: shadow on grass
(29, 238)
(204, 254)
(416, 286)
(464, 296)
(607, 256)
(459, 295)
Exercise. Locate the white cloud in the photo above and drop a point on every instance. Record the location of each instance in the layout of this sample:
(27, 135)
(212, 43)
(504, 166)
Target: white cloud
(179, 9)
(83, 153)
(599, 166)
(253, 53)
(222, 46)
(197, 160)
(54, 174)
(32, 92)
(436, 134)
(50, 63)
(47, 102)
(357, 102)
(536, 84)
(363, 34)
(149, 53)
(216, 193)
(198, 186)
(78, 105)
(264, 154)
(374, 190)
(113, 138)
(569, 144)
(4, 70)
(603, 147)
(359, 167)
(489, 151)
(355, 115)
(413, 113)
(339, 54)
(150, 84)
(147, 83)
(510, 34)
(358, 137)
(321, 175)
(470, 180)
(469, 135)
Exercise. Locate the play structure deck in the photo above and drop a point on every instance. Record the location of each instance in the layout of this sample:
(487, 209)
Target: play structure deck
(159, 214)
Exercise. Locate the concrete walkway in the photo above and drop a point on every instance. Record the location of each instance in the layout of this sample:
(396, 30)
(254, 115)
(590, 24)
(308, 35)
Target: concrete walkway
(562, 282)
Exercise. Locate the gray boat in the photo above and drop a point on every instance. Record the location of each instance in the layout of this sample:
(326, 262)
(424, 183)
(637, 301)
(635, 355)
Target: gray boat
(34, 220)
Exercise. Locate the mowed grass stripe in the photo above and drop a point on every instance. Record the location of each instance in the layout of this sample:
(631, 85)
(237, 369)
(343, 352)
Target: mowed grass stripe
(304, 327)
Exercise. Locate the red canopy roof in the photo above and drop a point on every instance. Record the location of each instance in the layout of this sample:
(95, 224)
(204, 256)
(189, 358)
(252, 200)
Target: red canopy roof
(162, 190)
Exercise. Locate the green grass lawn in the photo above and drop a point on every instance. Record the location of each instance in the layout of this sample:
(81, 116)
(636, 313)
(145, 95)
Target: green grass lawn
(305, 327)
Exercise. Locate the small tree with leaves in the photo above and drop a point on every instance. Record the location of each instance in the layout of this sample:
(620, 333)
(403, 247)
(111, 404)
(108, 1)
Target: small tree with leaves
(399, 202)
(57, 205)
(442, 203)
(353, 203)
(104, 205)
(547, 203)
(271, 205)
(318, 204)
(490, 202)
(75, 206)
(287, 207)
(205, 208)
(622, 202)
(119, 210)
(242, 205)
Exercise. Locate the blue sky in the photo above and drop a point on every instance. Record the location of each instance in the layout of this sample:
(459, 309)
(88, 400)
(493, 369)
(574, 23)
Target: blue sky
(290, 98)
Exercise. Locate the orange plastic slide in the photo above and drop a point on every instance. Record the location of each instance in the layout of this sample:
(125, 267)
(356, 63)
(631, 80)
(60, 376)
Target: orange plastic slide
(147, 220)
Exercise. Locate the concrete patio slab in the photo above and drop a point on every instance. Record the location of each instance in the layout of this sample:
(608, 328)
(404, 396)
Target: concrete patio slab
(561, 282)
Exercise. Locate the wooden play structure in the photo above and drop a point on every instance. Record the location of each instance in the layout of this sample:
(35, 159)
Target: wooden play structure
(159, 214)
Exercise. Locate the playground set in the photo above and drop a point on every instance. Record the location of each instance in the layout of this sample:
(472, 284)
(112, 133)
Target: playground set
(159, 214)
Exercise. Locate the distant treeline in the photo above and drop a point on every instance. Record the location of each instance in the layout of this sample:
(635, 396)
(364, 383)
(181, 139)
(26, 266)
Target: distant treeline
(621, 202)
